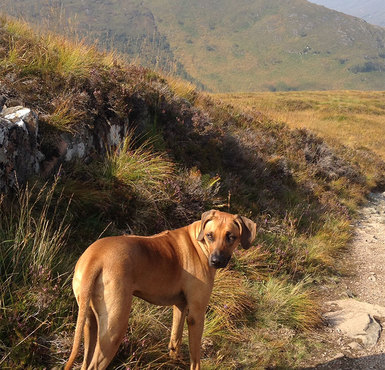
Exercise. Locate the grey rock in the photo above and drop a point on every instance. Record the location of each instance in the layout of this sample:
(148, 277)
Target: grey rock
(21, 155)
(19, 152)
(3, 99)
(355, 346)
(356, 320)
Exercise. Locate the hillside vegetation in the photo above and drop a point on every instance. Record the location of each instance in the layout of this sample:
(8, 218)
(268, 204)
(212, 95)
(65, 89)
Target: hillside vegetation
(354, 118)
(185, 153)
(227, 45)
(126, 26)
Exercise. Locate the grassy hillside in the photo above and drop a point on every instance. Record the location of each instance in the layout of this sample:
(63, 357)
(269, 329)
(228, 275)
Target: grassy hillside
(185, 153)
(230, 46)
(126, 26)
(354, 118)
(264, 45)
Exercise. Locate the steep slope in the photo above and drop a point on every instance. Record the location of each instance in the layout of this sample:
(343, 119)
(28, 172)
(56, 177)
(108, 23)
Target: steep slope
(230, 46)
(126, 26)
(265, 45)
(373, 11)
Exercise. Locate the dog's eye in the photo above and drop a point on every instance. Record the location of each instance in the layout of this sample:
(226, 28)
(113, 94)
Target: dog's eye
(210, 236)
(230, 237)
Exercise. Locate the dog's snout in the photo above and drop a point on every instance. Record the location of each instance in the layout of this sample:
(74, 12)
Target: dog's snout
(214, 260)
(218, 260)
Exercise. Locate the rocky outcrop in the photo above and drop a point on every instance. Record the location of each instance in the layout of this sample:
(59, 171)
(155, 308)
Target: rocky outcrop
(358, 321)
(24, 153)
(20, 156)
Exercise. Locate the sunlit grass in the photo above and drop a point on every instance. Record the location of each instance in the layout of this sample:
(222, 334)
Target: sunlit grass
(33, 234)
(65, 115)
(354, 118)
(287, 303)
(30, 241)
(45, 53)
(183, 89)
(137, 166)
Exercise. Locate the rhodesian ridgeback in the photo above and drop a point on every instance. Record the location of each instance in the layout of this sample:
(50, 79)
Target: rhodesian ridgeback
(174, 267)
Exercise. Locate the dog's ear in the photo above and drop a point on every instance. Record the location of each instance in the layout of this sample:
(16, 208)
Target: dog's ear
(248, 231)
(206, 216)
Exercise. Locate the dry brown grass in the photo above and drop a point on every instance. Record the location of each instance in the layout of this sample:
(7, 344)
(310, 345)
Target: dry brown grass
(35, 50)
(354, 118)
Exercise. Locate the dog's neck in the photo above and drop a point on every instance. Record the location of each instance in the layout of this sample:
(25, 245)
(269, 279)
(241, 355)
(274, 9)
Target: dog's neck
(196, 228)
(204, 248)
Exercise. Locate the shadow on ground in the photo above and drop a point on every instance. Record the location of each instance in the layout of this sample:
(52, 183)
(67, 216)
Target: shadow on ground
(376, 362)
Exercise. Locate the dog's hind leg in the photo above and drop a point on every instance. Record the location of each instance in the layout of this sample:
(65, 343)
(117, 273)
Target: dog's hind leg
(112, 314)
(178, 318)
(90, 337)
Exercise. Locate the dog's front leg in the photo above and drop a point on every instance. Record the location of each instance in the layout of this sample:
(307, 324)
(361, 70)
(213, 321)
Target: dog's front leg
(195, 322)
(179, 315)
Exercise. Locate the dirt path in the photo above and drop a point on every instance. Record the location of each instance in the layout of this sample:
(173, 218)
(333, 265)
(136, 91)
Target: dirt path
(364, 281)
(368, 253)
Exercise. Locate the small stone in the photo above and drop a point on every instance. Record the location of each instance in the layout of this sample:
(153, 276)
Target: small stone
(355, 346)
(350, 294)
(337, 356)
(372, 278)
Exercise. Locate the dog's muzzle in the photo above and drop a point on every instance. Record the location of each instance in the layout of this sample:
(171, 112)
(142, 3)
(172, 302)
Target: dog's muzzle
(217, 260)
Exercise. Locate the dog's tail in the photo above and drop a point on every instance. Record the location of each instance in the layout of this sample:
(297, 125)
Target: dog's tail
(84, 299)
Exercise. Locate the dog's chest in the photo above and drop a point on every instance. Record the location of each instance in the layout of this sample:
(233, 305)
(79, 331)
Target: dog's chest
(162, 299)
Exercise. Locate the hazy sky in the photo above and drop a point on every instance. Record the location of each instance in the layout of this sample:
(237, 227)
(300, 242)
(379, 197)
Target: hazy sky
(373, 11)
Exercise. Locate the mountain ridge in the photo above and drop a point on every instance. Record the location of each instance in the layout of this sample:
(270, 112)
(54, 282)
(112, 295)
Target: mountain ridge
(245, 46)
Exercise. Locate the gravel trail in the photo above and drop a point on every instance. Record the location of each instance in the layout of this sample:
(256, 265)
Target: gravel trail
(364, 281)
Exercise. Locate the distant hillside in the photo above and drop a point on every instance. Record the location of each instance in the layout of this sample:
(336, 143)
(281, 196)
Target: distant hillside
(228, 46)
(373, 11)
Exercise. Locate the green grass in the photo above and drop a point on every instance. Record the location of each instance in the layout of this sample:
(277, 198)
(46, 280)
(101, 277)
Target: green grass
(138, 167)
(29, 241)
(34, 285)
(288, 302)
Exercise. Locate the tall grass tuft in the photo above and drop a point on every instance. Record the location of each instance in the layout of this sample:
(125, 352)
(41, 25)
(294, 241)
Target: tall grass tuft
(230, 302)
(183, 89)
(289, 304)
(65, 114)
(139, 168)
(33, 232)
(29, 239)
(43, 53)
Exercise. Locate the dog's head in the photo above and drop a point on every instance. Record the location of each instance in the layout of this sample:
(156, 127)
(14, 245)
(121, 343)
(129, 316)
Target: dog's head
(222, 232)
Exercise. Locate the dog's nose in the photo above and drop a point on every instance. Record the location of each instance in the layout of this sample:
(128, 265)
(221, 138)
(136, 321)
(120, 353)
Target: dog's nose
(215, 261)
(218, 261)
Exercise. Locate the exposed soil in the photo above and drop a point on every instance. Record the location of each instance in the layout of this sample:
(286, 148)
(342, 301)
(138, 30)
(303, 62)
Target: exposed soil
(363, 280)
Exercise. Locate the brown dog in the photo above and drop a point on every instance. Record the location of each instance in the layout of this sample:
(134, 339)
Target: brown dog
(171, 268)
